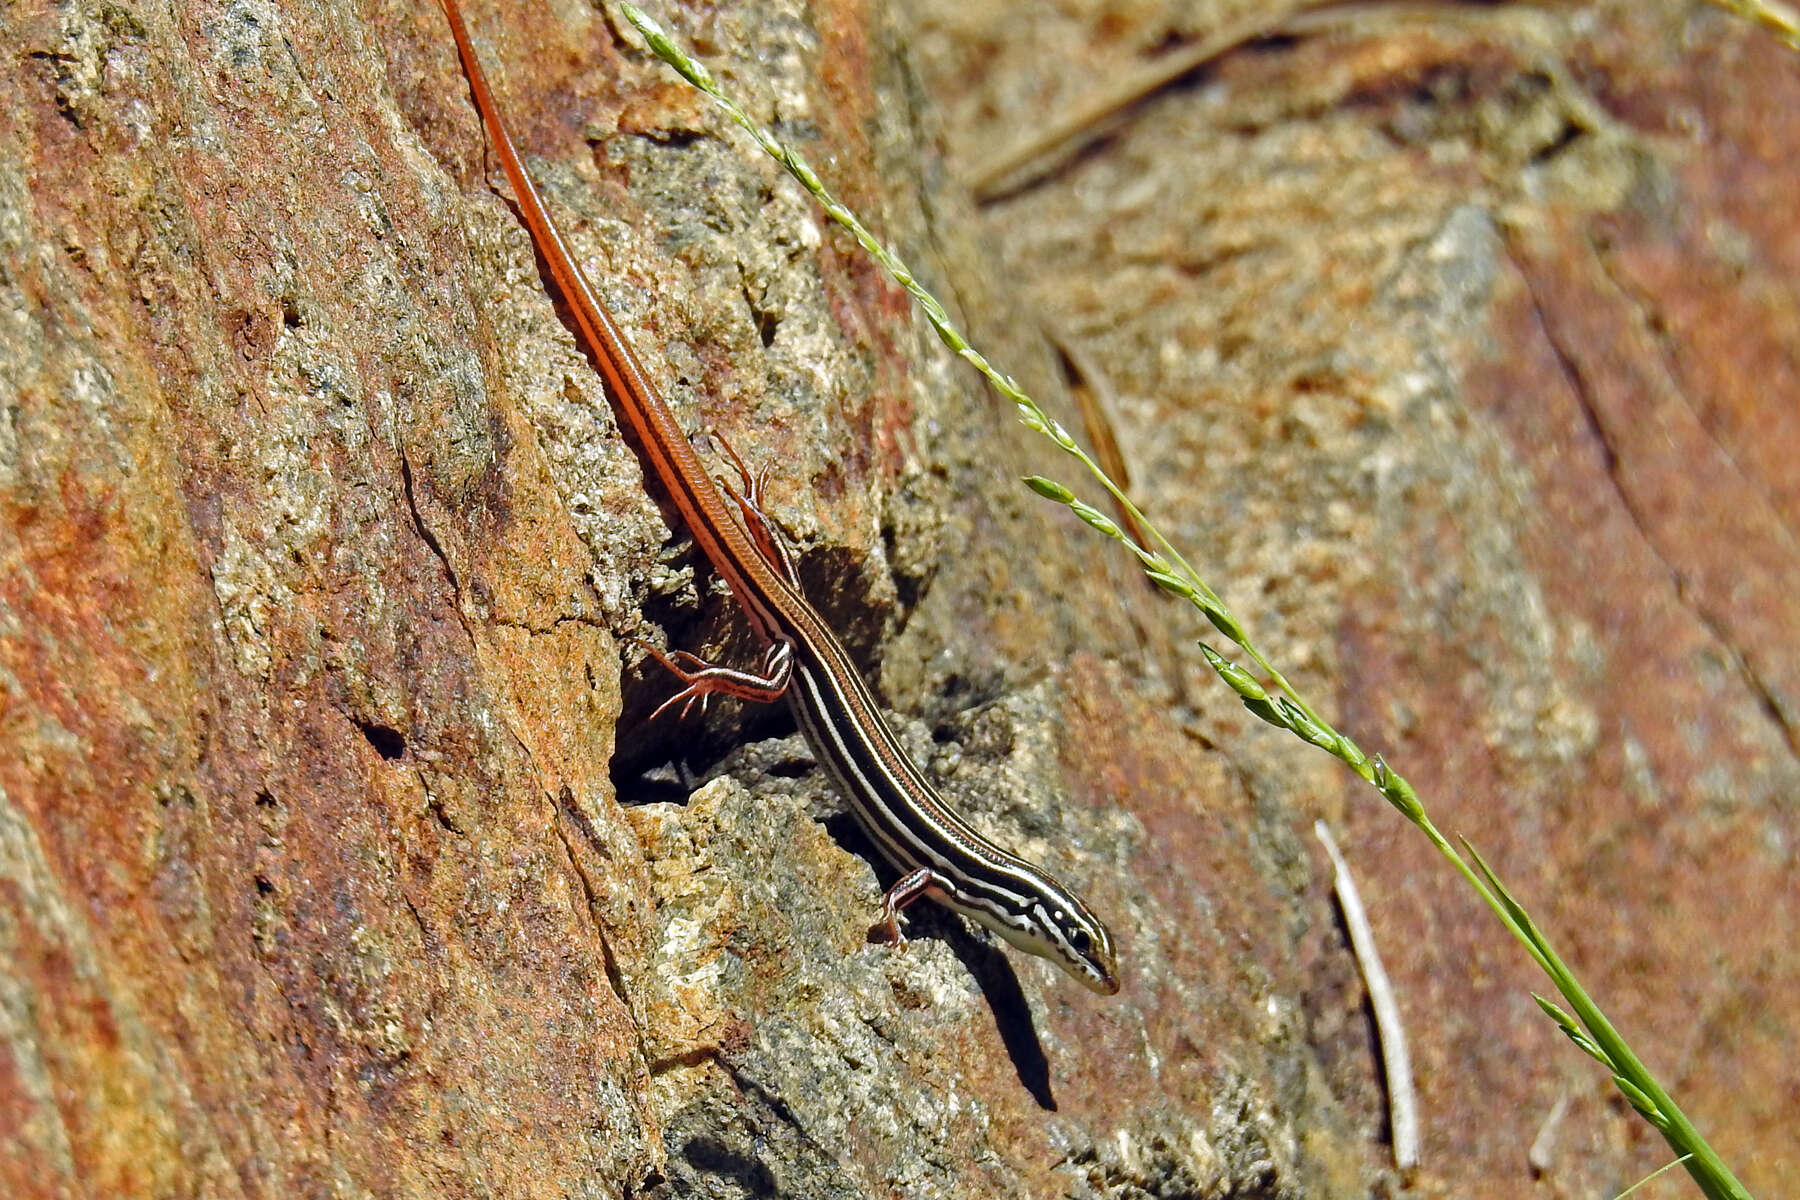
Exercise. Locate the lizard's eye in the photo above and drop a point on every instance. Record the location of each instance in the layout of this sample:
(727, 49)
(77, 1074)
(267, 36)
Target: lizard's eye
(1080, 941)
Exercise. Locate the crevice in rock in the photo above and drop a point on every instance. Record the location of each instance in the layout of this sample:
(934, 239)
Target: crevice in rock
(387, 741)
(1591, 414)
(615, 978)
(1645, 311)
(429, 538)
(556, 623)
(435, 807)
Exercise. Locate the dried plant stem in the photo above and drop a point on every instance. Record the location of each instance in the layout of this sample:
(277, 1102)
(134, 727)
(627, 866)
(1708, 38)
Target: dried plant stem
(1779, 18)
(1403, 1104)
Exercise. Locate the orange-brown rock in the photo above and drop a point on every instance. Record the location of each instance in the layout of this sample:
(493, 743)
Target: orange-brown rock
(337, 858)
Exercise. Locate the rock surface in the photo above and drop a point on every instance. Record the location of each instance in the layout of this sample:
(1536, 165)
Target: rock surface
(337, 857)
(1461, 344)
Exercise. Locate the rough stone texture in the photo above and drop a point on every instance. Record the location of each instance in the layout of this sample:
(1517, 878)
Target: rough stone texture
(1460, 345)
(319, 872)
(1449, 340)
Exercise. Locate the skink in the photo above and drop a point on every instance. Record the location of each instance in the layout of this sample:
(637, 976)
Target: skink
(939, 854)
